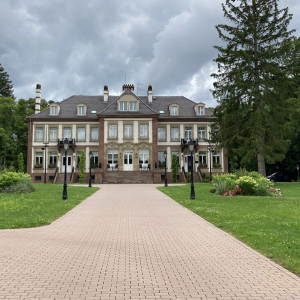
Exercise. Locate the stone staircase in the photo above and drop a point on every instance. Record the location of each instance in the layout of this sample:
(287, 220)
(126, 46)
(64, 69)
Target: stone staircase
(127, 177)
(61, 177)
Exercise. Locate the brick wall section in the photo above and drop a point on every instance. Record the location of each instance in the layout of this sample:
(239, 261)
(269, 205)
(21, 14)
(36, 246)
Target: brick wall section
(101, 142)
(29, 149)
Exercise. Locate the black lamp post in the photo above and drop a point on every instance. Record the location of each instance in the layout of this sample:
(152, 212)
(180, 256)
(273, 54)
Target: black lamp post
(90, 180)
(66, 147)
(46, 144)
(191, 148)
(210, 150)
(165, 156)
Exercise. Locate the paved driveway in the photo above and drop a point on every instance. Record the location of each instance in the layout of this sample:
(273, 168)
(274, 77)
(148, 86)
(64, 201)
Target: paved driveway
(133, 242)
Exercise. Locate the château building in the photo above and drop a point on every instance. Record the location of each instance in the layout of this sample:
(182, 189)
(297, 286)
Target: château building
(124, 138)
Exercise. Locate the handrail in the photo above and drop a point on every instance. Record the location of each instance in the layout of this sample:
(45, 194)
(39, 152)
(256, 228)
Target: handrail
(185, 177)
(72, 174)
(56, 171)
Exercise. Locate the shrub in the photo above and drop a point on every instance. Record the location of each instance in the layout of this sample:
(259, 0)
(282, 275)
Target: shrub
(175, 167)
(12, 182)
(262, 189)
(247, 184)
(82, 166)
(223, 186)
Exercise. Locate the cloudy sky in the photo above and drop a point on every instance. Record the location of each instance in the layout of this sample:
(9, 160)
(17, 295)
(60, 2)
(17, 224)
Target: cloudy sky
(74, 47)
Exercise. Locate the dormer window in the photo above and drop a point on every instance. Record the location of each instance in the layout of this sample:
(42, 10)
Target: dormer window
(200, 109)
(123, 106)
(54, 110)
(80, 110)
(174, 110)
(132, 106)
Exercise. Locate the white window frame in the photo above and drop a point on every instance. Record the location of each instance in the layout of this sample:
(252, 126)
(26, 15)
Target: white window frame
(113, 131)
(39, 134)
(81, 110)
(143, 131)
(202, 157)
(128, 131)
(112, 156)
(173, 131)
(201, 133)
(81, 133)
(68, 133)
(53, 157)
(201, 110)
(94, 134)
(53, 110)
(53, 134)
(123, 105)
(188, 133)
(161, 133)
(39, 158)
(174, 110)
(143, 156)
(132, 106)
(216, 158)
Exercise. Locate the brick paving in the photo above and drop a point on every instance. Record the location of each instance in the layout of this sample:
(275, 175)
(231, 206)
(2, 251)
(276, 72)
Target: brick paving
(133, 242)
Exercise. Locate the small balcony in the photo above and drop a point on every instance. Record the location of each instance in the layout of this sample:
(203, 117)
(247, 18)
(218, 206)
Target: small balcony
(60, 144)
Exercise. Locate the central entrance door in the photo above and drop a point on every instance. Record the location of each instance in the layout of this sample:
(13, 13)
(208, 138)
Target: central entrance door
(69, 162)
(128, 160)
(187, 162)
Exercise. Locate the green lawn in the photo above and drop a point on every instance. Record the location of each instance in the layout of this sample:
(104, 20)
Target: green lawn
(40, 207)
(268, 224)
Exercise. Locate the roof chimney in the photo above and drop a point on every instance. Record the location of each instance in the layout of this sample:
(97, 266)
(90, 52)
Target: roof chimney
(150, 94)
(129, 87)
(38, 99)
(105, 93)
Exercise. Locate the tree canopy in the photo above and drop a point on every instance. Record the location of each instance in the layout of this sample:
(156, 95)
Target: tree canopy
(6, 87)
(252, 82)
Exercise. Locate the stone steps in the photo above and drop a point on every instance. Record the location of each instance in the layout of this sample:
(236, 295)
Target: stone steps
(127, 177)
(61, 177)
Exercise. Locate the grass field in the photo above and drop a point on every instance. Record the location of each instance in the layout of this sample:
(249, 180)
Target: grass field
(267, 224)
(40, 207)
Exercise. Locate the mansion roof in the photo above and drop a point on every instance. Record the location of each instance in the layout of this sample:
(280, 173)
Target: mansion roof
(96, 106)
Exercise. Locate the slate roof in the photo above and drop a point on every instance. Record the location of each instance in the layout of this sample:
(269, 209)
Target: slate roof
(68, 107)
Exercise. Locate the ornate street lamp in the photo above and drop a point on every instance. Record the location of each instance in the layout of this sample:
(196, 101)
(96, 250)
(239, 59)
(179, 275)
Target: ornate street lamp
(165, 156)
(191, 148)
(66, 147)
(90, 180)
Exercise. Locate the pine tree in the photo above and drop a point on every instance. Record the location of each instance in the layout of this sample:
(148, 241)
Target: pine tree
(6, 87)
(251, 81)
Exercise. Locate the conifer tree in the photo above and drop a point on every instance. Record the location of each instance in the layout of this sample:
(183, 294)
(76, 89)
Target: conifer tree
(6, 87)
(251, 83)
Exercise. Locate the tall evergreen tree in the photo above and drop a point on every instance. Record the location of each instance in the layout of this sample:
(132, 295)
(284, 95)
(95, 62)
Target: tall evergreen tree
(6, 87)
(251, 81)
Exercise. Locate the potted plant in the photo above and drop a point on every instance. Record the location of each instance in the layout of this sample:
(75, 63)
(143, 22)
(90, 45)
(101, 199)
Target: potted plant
(217, 165)
(38, 166)
(203, 165)
(52, 166)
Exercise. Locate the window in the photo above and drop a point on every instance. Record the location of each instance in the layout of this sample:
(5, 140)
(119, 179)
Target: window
(161, 159)
(143, 131)
(177, 154)
(174, 133)
(202, 159)
(95, 159)
(200, 110)
(216, 159)
(38, 158)
(127, 131)
(81, 111)
(53, 110)
(81, 134)
(67, 133)
(53, 134)
(94, 134)
(144, 156)
(133, 106)
(161, 133)
(174, 111)
(39, 133)
(53, 159)
(201, 133)
(188, 133)
(123, 106)
(112, 131)
(112, 157)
